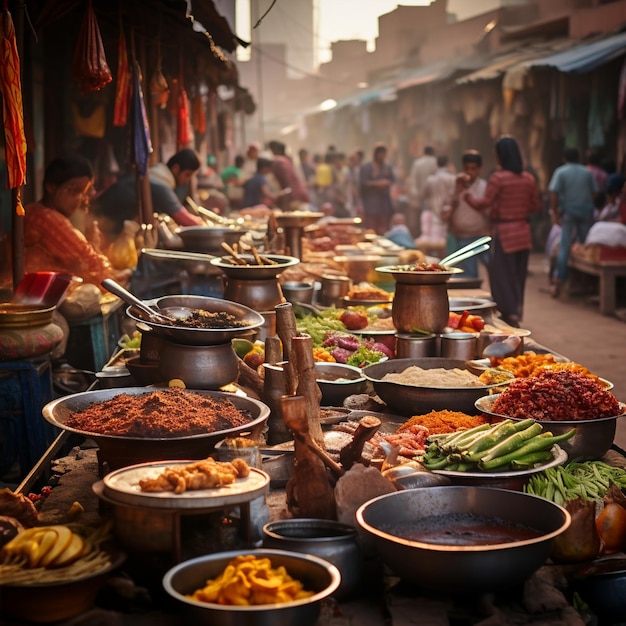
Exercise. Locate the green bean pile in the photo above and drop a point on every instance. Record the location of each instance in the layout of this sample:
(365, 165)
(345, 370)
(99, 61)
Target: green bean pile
(588, 481)
(505, 446)
(318, 326)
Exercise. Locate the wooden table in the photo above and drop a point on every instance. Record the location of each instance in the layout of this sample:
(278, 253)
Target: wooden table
(608, 272)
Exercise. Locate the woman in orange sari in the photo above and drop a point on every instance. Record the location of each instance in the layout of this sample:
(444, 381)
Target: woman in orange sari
(51, 242)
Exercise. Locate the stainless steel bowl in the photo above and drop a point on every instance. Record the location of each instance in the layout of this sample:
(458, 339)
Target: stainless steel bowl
(316, 575)
(337, 381)
(461, 568)
(414, 400)
(200, 336)
(120, 451)
(593, 437)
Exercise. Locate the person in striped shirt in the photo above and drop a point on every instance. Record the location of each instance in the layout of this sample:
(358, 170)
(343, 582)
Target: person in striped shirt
(510, 198)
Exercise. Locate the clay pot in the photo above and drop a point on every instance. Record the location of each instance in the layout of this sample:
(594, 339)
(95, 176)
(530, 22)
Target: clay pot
(423, 307)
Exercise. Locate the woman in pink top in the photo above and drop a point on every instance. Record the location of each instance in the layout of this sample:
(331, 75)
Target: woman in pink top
(511, 196)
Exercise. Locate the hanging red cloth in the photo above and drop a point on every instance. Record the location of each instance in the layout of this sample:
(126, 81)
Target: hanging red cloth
(122, 88)
(12, 107)
(90, 67)
(183, 134)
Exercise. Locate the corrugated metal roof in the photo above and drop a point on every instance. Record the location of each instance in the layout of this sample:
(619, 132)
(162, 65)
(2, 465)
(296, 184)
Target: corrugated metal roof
(584, 58)
(493, 70)
(426, 74)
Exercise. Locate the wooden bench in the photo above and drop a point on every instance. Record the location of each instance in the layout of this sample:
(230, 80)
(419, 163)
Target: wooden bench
(608, 272)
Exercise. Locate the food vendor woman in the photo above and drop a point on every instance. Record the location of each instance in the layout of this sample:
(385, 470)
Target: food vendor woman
(51, 243)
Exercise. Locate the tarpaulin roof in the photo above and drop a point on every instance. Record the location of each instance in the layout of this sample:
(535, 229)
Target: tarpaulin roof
(425, 74)
(586, 57)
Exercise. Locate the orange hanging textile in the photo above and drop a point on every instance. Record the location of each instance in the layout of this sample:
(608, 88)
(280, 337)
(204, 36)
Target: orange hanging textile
(12, 107)
(122, 89)
(183, 136)
(198, 115)
(90, 68)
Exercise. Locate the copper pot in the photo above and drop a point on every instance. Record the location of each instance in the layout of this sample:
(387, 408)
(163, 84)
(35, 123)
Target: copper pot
(420, 307)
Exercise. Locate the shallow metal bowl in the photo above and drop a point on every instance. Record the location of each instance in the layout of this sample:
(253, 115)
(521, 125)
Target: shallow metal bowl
(414, 400)
(208, 238)
(404, 274)
(253, 271)
(316, 575)
(17, 315)
(593, 437)
(337, 381)
(119, 451)
(476, 306)
(200, 336)
(461, 568)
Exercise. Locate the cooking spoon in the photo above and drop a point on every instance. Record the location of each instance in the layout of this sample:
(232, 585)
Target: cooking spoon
(114, 287)
(501, 348)
(471, 249)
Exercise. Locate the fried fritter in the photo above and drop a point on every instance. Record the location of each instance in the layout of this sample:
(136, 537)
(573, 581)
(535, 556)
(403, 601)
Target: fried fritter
(205, 474)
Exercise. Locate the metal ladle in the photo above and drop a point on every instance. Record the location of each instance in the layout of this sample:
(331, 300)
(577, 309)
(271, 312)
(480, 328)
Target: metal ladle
(114, 287)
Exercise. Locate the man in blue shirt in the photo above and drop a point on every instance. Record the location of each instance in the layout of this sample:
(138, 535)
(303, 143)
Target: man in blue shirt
(572, 190)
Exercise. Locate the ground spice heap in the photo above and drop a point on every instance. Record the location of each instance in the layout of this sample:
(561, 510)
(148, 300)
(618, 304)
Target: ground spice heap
(556, 396)
(162, 413)
(443, 422)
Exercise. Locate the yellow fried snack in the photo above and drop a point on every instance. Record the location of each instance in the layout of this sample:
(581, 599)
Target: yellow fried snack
(249, 580)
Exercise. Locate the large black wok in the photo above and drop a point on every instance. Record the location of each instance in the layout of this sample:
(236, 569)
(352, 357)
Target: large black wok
(452, 567)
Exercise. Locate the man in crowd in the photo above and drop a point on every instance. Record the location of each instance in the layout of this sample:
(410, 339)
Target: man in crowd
(421, 169)
(120, 202)
(572, 191)
(464, 222)
(295, 194)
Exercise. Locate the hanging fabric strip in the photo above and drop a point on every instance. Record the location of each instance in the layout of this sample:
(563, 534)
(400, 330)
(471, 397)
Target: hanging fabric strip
(12, 107)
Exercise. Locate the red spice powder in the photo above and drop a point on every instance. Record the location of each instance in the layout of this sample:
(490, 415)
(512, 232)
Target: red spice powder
(163, 413)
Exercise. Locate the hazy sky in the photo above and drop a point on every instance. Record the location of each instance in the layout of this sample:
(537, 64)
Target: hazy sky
(353, 19)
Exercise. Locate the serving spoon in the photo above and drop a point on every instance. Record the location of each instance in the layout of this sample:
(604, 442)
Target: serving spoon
(471, 249)
(502, 348)
(114, 287)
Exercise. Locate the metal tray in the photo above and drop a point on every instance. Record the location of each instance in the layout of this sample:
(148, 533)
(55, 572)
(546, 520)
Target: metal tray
(123, 487)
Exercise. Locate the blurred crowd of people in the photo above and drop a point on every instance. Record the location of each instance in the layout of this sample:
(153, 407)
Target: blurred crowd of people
(430, 205)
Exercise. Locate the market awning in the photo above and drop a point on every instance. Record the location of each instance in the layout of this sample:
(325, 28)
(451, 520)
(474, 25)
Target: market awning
(584, 58)
(367, 96)
(425, 74)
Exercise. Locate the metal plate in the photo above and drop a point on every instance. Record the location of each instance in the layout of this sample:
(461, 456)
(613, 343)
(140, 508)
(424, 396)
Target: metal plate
(346, 301)
(123, 487)
(559, 456)
(458, 305)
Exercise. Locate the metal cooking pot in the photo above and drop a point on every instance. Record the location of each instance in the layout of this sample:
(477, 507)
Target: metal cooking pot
(200, 367)
(461, 568)
(330, 540)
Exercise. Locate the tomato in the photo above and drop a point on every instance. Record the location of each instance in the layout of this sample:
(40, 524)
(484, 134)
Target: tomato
(354, 320)
(611, 525)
